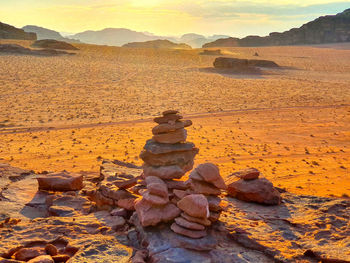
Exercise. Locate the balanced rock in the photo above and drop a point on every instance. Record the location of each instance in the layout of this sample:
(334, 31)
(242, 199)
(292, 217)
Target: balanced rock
(169, 127)
(195, 205)
(188, 232)
(258, 190)
(158, 148)
(202, 221)
(169, 118)
(164, 172)
(172, 184)
(63, 181)
(150, 215)
(182, 158)
(202, 187)
(247, 174)
(156, 186)
(188, 224)
(167, 112)
(154, 199)
(210, 173)
(171, 137)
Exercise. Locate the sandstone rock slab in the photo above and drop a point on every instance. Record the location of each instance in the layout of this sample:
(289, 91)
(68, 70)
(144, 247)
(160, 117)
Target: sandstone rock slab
(258, 190)
(63, 181)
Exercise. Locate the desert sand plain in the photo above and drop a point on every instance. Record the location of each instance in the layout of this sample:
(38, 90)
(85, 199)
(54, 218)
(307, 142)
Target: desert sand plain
(293, 123)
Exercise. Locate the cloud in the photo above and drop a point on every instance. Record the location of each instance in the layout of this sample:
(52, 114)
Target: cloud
(231, 9)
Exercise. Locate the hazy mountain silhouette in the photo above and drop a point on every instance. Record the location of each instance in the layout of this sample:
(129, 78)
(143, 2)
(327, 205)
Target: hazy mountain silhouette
(44, 33)
(197, 41)
(114, 36)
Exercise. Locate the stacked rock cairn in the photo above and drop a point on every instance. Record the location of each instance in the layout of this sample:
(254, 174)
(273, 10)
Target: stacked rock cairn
(193, 204)
(200, 203)
(167, 157)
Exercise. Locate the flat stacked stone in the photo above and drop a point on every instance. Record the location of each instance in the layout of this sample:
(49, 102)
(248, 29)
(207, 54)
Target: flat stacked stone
(206, 180)
(167, 157)
(113, 190)
(194, 217)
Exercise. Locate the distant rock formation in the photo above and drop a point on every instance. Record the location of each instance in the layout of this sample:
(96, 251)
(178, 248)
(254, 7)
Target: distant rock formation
(53, 44)
(11, 32)
(44, 33)
(197, 41)
(158, 44)
(238, 65)
(19, 50)
(325, 29)
(209, 52)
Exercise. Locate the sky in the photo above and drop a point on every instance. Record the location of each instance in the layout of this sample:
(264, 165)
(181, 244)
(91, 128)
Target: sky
(169, 17)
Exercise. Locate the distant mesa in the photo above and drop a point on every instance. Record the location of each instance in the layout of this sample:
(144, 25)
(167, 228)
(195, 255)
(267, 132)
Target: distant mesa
(11, 32)
(53, 44)
(239, 65)
(325, 29)
(166, 44)
(19, 50)
(209, 52)
(44, 33)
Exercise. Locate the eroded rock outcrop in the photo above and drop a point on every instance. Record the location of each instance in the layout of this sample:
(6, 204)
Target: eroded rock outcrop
(53, 44)
(11, 32)
(19, 50)
(325, 29)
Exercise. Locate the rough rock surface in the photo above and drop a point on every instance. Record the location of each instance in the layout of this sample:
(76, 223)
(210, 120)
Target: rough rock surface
(301, 229)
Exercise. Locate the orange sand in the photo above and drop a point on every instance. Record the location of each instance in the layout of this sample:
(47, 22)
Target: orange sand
(300, 137)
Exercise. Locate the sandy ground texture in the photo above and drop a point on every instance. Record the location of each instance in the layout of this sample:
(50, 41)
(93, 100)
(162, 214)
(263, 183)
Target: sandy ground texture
(293, 124)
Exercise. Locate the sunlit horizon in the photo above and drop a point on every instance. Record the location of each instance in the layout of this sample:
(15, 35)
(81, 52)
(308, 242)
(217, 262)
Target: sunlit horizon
(166, 18)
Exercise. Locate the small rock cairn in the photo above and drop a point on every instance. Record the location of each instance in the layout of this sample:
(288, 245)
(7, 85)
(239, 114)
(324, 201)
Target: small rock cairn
(167, 157)
(200, 204)
(193, 204)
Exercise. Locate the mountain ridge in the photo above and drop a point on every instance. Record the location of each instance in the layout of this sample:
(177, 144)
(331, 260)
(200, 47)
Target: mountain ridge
(322, 30)
(45, 33)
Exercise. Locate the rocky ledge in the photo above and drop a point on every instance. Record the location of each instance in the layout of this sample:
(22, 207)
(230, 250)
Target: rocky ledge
(68, 226)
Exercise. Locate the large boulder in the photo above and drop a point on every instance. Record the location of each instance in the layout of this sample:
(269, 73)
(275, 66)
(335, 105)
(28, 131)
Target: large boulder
(258, 190)
(242, 64)
(63, 181)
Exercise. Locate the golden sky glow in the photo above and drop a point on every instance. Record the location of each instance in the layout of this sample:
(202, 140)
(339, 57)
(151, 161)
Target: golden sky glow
(168, 17)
